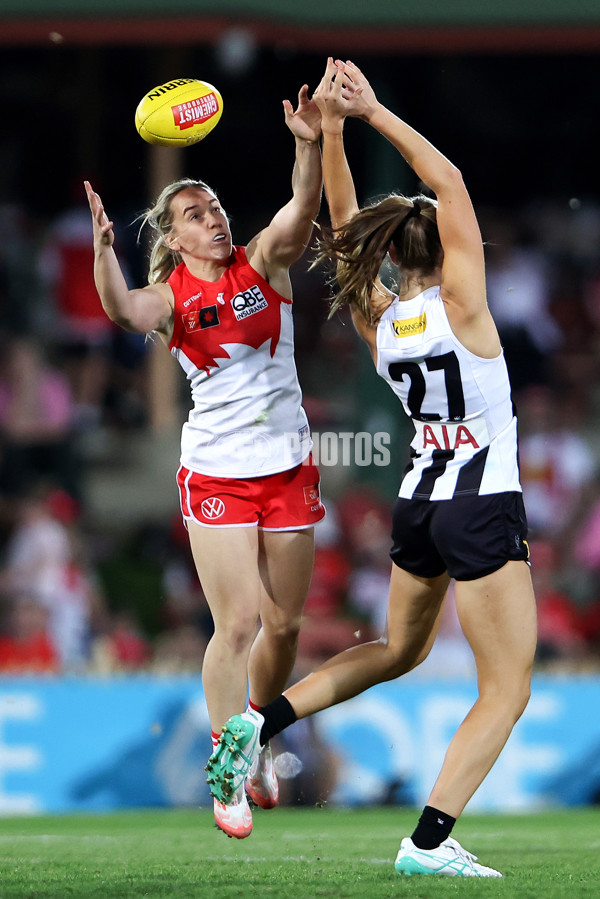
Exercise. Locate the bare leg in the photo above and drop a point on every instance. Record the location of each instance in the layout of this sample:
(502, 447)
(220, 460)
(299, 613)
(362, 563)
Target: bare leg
(498, 617)
(414, 609)
(286, 564)
(227, 564)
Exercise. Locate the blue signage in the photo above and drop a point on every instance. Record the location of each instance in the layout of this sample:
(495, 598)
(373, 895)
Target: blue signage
(101, 744)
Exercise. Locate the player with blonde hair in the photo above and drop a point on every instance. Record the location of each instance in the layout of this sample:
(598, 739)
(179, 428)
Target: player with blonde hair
(248, 488)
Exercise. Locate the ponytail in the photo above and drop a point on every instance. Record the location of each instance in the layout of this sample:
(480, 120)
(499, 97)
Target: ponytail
(358, 249)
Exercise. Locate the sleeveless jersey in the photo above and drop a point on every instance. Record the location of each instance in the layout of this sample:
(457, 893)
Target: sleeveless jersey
(465, 428)
(234, 340)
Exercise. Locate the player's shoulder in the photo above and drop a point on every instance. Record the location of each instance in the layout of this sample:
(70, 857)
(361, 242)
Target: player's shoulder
(164, 288)
(177, 275)
(253, 256)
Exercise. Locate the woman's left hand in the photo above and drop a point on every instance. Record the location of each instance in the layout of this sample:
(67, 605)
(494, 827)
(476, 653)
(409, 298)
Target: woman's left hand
(305, 121)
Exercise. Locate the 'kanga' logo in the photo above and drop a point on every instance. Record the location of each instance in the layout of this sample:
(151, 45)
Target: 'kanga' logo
(410, 326)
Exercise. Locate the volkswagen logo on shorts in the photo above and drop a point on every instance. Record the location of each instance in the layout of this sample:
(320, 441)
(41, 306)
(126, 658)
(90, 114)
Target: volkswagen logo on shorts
(213, 507)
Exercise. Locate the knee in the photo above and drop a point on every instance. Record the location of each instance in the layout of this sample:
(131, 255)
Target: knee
(516, 703)
(397, 660)
(284, 633)
(239, 635)
(510, 697)
(522, 698)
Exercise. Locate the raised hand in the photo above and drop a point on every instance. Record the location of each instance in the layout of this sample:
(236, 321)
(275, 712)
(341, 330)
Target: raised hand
(360, 96)
(330, 97)
(103, 227)
(344, 91)
(305, 121)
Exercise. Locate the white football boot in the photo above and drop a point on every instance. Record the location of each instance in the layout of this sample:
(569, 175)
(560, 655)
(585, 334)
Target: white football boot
(261, 784)
(235, 818)
(449, 859)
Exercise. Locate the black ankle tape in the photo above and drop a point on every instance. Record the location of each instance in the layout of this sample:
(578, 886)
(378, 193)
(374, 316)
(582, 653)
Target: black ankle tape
(433, 828)
(278, 715)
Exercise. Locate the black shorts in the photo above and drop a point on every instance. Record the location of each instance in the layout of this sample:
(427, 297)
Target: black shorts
(467, 536)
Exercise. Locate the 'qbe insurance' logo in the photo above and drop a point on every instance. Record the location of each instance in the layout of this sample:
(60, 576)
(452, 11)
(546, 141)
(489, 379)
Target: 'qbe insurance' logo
(248, 302)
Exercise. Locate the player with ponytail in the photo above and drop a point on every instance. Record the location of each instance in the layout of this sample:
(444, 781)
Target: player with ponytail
(459, 513)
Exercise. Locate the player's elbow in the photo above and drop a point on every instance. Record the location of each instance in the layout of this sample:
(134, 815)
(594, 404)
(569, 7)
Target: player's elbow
(290, 250)
(449, 181)
(122, 318)
(307, 201)
(127, 325)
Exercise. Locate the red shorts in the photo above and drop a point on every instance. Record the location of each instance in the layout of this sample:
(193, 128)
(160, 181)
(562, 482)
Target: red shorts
(285, 501)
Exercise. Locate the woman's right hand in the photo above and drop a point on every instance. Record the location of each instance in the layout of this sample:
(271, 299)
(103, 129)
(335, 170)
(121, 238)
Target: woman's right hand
(343, 91)
(359, 97)
(329, 97)
(103, 228)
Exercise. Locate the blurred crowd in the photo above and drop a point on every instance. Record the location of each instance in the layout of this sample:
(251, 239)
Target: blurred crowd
(79, 599)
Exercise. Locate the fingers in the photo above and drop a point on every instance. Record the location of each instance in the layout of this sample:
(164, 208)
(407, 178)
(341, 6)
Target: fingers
(341, 80)
(95, 202)
(303, 99)
(102, 219)
(99, 215)
(352, 75)
(303, 94)
(328, 77)
(103, 226)
(331, 67)
(349, 67)
(90, 190)
(92, 196)
(330, 70)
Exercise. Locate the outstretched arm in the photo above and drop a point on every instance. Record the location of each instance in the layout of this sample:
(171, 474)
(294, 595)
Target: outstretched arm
(284, 240)
(463, 272)
(332, 97)
(143, 310)
(339, 184)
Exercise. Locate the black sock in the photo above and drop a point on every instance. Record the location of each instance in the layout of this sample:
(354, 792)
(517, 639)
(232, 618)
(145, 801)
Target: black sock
(433, 828)
(278, 715)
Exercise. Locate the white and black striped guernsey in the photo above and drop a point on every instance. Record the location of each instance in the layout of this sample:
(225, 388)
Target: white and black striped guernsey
(460, 404)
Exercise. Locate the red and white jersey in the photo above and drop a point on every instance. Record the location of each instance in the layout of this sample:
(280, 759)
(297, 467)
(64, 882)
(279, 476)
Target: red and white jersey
(234, 339)
(465, 428)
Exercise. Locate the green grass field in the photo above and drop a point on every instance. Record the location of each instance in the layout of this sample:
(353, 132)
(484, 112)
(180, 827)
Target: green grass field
(299, 853)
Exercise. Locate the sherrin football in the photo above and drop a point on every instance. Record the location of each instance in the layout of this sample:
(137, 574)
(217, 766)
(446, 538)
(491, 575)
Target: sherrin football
(179, 113)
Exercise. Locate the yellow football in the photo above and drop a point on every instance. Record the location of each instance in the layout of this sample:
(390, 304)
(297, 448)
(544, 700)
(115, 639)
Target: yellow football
(178, 113)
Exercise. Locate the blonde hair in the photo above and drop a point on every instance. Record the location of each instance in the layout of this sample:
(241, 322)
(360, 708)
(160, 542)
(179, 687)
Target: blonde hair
(164, 260)
(358, 249)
